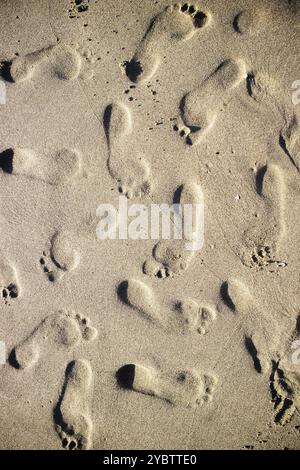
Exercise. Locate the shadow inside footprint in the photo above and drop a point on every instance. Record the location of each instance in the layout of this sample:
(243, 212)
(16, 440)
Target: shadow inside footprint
(253, 353)
(5, 71)
(125, 376)
(133, 69)
(6, 161)
(12, 360)
(122, 291)
(260, 179)
(225, 296)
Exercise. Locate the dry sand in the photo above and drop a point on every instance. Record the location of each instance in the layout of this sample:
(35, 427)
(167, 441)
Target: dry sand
(123, 344)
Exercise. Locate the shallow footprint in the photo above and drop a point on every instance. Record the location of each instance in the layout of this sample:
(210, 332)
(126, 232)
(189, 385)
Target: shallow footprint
(71, 414)
(59, 330)
(9, 285)
(132, 174)
(187, 315)
(173, 257)
(176, 23)
(260, 333)
(263, 241)
(63, 166)
(141, 298)
(186, 388)
(195, 317)
(66, 63)
(199, 109)
(60, 257)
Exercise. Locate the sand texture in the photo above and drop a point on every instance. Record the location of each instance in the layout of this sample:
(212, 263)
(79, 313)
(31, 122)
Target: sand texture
(145, 344)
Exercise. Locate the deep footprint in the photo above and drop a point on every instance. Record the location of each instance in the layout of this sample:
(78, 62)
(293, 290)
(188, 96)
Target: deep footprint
(263, 241)
(71, 414)
(176, 23)
(186, 388)
(132, 174)
(199, 109)
(59, 330)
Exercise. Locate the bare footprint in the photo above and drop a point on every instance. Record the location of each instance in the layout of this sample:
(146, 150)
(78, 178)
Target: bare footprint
(262, 241)
(285, 380)
(260, 333)
(248, 22)
(59, 258)
(173, 257)
(59, 330)
(71, 414)
(63, 166)
(285, 389)
(187, 388)
(199, 109)
(264, 90)
(132, 174)
(185, 316)
(9, 284)
(66, 62)
(176, 23)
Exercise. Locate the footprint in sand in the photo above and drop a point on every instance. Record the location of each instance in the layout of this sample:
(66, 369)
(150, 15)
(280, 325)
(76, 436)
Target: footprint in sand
(172, 257)
(63, 166)
(9, 284)
(260, 333)
(176, 23)
(59, 258)
(131, 174)
(199, 109)
(66, 62)
(263, 240)
(248, 22)
(186, 316)
(265, 91)
(186, 388)
(71, 414)
(60, 330)
(285, 380)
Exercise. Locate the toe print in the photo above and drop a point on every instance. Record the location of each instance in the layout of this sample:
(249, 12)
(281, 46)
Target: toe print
(9, 284)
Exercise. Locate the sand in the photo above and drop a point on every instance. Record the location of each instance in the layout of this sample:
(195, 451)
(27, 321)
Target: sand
(144, 344)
